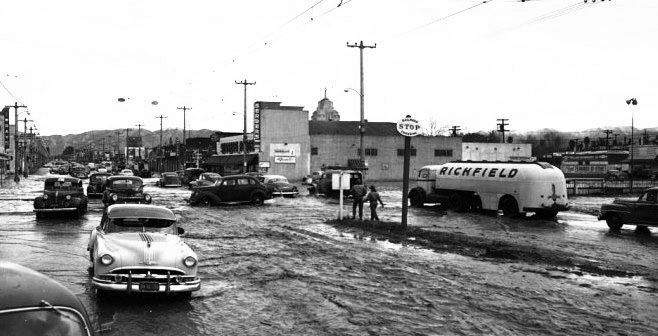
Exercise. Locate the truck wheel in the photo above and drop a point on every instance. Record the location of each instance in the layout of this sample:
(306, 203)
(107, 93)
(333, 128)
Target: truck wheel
(416, 200)
(510, 207)
(458, 202)
(614, 222)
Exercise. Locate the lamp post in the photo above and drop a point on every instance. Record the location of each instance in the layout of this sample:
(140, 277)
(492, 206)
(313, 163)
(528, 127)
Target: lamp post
(630, 102)
(16, 106)
(24, 152)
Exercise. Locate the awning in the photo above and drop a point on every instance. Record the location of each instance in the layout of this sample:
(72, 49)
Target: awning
(230, 160)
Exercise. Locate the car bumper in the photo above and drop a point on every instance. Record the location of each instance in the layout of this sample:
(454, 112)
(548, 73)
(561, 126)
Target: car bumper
(284, 193)
(163, 288)
(139, 200)
(172, 185)
(50, 210)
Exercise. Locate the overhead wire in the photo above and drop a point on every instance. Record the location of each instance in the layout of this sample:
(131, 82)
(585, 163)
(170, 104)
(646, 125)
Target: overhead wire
(443, 18)
(9, 92)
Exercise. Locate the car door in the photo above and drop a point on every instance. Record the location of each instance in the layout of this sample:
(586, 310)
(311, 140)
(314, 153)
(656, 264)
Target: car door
(228, 190)
(243, 189)
(646, 210)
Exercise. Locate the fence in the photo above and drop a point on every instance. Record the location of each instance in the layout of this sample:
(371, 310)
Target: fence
(598, 186)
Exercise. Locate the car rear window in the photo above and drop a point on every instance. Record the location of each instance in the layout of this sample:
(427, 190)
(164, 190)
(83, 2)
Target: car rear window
(60, 185)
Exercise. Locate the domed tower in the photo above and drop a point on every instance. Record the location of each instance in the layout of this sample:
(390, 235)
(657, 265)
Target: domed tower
(325, 110)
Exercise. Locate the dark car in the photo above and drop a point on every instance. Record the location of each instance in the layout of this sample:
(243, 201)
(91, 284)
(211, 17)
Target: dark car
(96, 186)
(205, 179)
(190, 174)
(34, 304)
(278, 185)
(170, 179)
(61, 195)
(231, 190)
(323, 185)
(642, 211)
(79, 172)
(125, 189)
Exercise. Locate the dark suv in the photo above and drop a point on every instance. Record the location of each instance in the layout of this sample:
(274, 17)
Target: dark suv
(61, 195)
(125, 189)
(231, 190)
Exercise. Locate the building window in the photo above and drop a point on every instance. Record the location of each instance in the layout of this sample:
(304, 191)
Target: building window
(371, 151)
(443, 152)
(401, 152)
(314, 151)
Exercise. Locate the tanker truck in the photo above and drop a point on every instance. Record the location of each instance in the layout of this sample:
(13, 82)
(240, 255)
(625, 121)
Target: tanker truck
(516, 188)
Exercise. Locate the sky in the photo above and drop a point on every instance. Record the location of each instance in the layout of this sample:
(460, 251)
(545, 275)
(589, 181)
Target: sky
(560, 64)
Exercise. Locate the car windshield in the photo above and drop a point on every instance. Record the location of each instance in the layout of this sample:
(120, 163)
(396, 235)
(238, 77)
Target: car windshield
(155, 225)
(60, 185)
(59, 321)
(212, 177)
(126, 184)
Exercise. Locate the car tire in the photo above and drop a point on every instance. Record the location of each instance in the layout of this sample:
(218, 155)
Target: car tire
(205, 201)
(510, 207)
(614, 222)
(257, 199)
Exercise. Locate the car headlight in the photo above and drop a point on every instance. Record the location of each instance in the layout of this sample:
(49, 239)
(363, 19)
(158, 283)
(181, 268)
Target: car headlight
(189, 261)
(68, 197)
(106, 259)
(114, 197)
(45, 196)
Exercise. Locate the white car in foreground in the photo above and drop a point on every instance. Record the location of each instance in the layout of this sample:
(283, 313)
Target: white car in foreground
(137, 248)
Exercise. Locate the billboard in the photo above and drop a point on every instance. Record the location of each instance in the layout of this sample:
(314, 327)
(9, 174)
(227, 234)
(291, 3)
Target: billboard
(5, 126)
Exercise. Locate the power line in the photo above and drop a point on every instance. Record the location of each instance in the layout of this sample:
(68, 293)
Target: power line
(443, 18)
(9, 92)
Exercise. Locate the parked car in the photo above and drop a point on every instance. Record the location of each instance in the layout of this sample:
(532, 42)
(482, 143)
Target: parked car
(205, 179)
(323, 185)
(96, 186)
(642, 211)
(79, 172)
(279, 185)
(125, 189)
(61, 195)
(312, 177)
(231, 190)
(169, 179)
(34, 304)
(126, 172)
(137, 248)
(190, 174)
(145, 173)
(614, 174)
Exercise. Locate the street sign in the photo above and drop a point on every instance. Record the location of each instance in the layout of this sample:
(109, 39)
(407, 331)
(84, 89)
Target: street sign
(408, 127)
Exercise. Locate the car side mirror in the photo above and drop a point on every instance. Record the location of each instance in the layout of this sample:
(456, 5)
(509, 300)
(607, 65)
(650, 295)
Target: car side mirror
(181, 231)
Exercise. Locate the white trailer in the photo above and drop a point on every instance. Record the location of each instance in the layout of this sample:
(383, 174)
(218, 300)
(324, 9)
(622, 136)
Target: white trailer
(513, 187)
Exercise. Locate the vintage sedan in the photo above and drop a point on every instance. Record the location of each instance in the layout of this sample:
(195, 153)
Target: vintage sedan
(79, 172)
(125, 189)
(231, 190)
(34, 304)
(279, 186)
(641, 212)
(170, 179)
(137, 248)
(205, 179)
(96, 186)
(61, 195)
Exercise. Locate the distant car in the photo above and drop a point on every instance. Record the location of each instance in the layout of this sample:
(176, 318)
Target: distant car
(312, 177)
(79, 172)
(170, 179)
(614, 174)
(96, 186)
(323, 185)
(642, 211)
(145, 173)
(34, 304)
(205, 179)
(61, 195)
(126, 172)
(125, 189)
(138, 248)
(231, 190)
(279, 185)
(190, 174)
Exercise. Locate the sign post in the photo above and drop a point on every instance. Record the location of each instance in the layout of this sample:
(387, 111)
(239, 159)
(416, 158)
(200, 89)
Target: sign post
(407, 127)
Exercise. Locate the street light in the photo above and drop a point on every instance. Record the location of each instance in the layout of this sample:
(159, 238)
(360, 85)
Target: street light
(362, 127)
(630, 102)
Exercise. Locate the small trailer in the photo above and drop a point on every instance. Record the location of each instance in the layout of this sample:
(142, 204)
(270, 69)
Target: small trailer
(513, 187)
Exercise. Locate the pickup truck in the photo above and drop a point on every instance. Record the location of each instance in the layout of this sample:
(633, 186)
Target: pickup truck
(642, 211)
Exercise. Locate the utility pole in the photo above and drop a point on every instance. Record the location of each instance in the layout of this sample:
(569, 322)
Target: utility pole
(16, 106)
(25, 121)
(454, 130)
(244, 131)
(362, 126)
(127, 138)
(139, 135)
(501, 128)
(607, 136)
(160, 156)
(118, 147)
(184, 108)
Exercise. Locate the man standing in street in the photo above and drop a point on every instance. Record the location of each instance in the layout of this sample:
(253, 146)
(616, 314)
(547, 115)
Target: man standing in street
(358, 191)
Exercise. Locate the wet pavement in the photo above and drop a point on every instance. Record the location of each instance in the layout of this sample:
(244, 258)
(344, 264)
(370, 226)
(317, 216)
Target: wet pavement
(285, 269)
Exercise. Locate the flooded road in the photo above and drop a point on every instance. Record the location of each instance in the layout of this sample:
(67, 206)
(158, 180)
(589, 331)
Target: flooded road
(284, 269)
